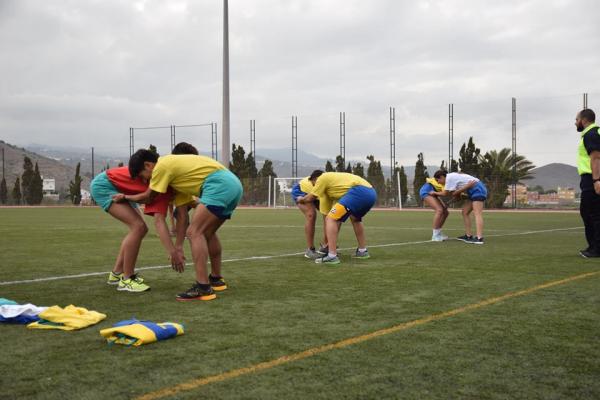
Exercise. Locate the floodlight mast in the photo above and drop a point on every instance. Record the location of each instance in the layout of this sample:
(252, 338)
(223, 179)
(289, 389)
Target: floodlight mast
(225, 142)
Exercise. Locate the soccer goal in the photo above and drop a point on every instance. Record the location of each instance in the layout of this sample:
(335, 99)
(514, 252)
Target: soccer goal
(282, 192)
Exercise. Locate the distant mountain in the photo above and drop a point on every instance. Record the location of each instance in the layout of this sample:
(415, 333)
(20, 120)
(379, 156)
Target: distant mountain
(49, 168)
(554, 175)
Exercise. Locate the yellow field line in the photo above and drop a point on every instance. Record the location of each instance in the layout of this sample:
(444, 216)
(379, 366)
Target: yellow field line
(199, 382)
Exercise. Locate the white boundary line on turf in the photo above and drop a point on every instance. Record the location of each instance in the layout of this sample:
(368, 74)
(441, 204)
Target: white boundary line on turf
(268, 257)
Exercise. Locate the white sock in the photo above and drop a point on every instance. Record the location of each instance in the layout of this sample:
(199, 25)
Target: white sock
(330, 254)
(437, 231)
(362, 250)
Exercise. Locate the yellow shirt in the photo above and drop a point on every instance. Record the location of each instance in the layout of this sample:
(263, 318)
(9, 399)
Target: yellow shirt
(184, 173)
(331, 186)
(306, 185)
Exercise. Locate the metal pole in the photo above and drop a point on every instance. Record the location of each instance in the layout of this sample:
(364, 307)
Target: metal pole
(93, 172)
(131, 141)
(514, 152)
(450, 136)
(3, 176)
(585, 101)
(392, 141)
(172, 137)
(343, 137)
(225, 150)
(214, 150)
(269, 195)
(294, 146)
(399, 191)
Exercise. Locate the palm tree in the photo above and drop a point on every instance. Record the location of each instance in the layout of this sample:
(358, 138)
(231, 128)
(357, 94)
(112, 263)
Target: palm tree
(497, 172)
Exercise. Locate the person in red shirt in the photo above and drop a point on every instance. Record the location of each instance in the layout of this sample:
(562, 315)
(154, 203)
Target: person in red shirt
(118, 180)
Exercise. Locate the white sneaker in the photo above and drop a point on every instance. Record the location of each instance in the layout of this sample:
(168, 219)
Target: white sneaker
(437, 238)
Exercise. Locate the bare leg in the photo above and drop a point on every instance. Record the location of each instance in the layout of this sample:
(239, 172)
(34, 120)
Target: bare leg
(214, 253)
(324, 240)
(202, 228)
(130, 246)
(466, 214)
(332, 227)
(478, 212)
(440, 212)
(310, 217)
(118, 268)
(359, 231)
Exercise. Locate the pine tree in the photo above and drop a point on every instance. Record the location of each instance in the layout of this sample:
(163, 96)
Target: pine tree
(251, 188)
(454, 166)
(75, 187)
(420, 176)
(376, 178)
(37, 186)
(403, 185)
(443, 166)
(469, 159)
(3, 191)
(349, 168)
(340, 166)
(329, 167)
(27, 180)
(16, 192)
(238, 161)
(265, 173)
(359, 170)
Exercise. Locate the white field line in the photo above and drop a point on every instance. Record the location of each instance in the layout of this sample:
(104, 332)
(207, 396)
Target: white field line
(266, 257)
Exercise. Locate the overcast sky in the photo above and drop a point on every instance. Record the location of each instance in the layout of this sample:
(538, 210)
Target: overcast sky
(82, 72)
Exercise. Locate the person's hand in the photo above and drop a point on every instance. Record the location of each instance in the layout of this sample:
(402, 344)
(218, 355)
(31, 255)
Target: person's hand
(177, 260)
(118, 198)
(456, 195)
(433, 193)
(300, 199)
(597, 187)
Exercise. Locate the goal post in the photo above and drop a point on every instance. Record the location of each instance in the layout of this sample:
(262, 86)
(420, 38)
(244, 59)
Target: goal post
(282, 192)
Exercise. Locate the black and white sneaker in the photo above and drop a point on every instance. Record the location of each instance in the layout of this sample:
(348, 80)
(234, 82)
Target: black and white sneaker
(475, 240)
(465, 238)
(589, 254)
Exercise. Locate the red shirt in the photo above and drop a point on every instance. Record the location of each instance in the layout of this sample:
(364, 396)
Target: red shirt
(125, 184)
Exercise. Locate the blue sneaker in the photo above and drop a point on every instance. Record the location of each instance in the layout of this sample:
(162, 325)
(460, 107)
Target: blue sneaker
(328, 260)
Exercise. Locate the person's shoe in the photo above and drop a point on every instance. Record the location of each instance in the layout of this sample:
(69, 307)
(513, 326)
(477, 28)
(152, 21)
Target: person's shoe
(312, 254)
(133, 284)
(197, 293)
(437, 238)
(589, 254)
(363, 255)
(444, 237)
(114, 279)
(323, 250)
(475, 240)
(465, 238)
(217, 284)
(328, 260)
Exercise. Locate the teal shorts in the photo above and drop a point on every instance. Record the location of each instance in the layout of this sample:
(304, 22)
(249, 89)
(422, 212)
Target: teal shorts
(102, 191)
(221, 193)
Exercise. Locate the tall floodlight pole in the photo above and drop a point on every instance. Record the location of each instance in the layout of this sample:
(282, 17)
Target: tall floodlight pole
(93, 172)
(450, 136)
(225, 144)
(392, 142)
(514, 152)
(585, 101)
(294, 146)
(3, 162)
(343, 137)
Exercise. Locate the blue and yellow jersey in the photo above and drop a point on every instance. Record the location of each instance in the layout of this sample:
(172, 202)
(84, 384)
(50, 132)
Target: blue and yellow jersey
(331, 186)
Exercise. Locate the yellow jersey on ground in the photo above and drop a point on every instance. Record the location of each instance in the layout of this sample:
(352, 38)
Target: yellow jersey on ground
(184, 173)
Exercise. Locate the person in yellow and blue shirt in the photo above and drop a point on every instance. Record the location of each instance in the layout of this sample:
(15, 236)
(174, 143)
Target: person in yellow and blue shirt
(219, 192)
(341, 196)
(439, 207)
(301, 189)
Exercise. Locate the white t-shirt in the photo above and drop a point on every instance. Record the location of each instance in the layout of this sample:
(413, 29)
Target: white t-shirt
(455, 181)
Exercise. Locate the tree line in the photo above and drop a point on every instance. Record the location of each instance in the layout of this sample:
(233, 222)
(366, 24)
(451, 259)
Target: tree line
(28, 189)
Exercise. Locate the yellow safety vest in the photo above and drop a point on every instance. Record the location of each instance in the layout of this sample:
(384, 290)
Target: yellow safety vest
(584, 165)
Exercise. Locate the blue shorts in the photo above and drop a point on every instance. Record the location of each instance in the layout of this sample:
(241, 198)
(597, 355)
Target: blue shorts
(102, 191)
(221, 193)
(477, 192)
(358, 201)
(425, 189)
(296, 192)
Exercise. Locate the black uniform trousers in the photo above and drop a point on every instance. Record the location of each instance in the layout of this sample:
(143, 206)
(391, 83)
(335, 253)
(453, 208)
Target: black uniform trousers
(590, 214)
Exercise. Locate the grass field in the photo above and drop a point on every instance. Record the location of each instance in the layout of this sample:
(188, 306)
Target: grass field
(532, 344)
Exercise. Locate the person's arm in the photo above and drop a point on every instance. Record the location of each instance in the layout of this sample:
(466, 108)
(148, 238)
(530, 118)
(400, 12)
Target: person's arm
(145, 197)
(595, 164)
(181, 226)
(309, 198)
(463, 189)
(175, 254)
(440, 194)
